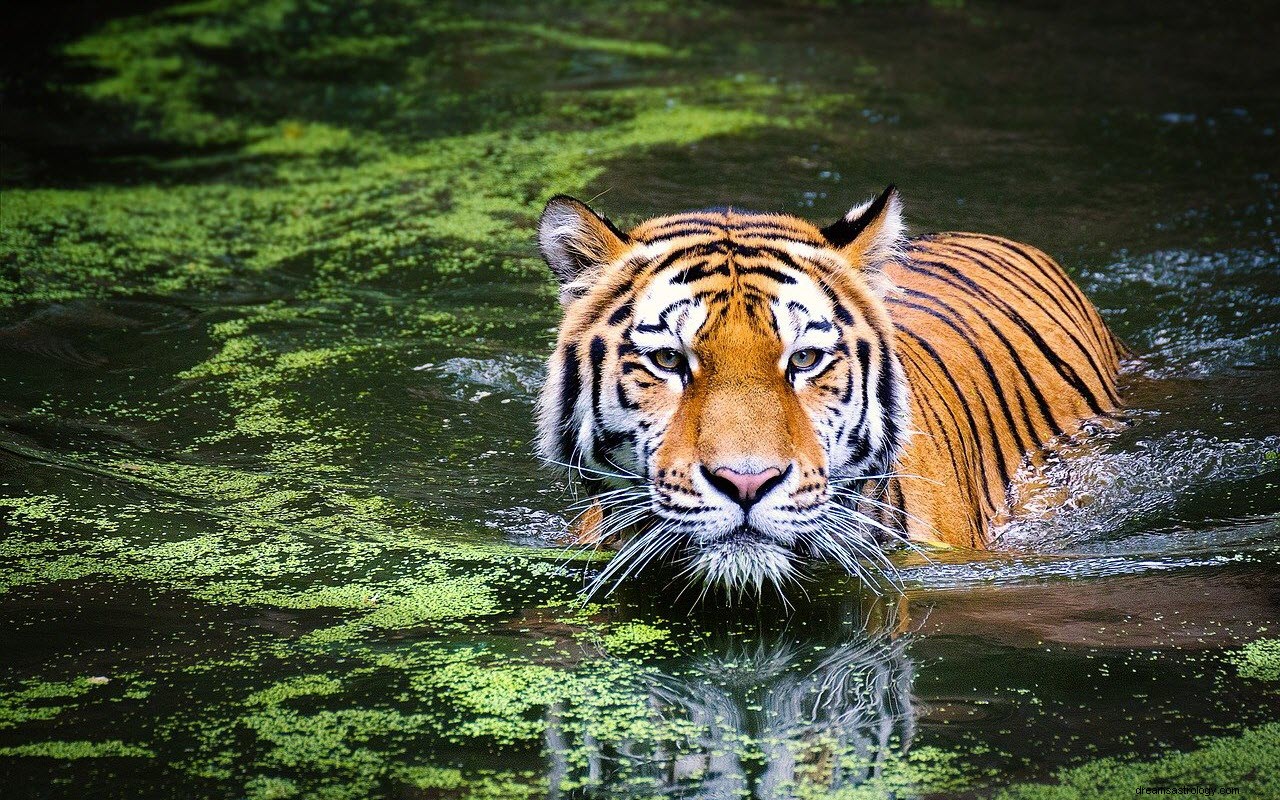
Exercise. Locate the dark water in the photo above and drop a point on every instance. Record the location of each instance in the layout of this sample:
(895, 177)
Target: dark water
(272, 324)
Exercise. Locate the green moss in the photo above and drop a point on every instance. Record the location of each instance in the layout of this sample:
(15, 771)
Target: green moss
(35, 507)
(494, 701)
(382, 209)
(480, 785)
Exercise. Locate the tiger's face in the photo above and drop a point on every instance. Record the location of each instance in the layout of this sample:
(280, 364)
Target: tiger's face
(723, 382)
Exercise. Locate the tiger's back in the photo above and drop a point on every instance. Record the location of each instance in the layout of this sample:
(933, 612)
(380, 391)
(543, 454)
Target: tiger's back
(1002, 353)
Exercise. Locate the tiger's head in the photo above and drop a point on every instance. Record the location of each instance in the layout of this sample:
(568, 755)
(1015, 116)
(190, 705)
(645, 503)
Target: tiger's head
(724, 381)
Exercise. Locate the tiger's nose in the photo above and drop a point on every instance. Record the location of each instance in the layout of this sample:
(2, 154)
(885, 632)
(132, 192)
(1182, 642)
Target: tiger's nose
(744, 488)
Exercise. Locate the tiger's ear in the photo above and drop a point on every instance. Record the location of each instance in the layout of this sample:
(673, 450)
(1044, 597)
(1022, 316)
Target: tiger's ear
(576, 243)
(872, 234)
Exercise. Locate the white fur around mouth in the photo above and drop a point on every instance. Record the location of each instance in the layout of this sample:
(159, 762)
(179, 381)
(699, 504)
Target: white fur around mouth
(743, 560)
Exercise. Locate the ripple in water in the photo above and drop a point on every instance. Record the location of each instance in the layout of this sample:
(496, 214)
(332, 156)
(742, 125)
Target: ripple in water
(474, 379)
(1192, 314)
(1092, 496)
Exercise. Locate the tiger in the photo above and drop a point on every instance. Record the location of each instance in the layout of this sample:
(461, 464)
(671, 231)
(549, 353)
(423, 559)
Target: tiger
(743, 393)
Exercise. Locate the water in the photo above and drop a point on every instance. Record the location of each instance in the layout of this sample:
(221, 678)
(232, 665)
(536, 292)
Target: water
(272, 325)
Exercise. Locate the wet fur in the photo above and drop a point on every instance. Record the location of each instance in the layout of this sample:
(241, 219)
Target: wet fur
(947, 358)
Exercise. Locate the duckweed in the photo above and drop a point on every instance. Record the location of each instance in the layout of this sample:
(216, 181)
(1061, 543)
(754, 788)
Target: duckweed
(65, 751)
(1260, 660)
(40, 701)
(1249, 763)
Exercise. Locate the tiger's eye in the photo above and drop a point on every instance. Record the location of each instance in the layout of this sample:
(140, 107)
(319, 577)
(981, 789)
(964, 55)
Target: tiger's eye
(804, 359)
(668, 359)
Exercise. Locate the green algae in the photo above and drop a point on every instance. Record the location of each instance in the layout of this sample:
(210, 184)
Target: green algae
(301, 686)
(634, 637)
(360, 223)
(1259, 660)
(270, 788)
(1249, 763)
(921, 771)
(494, 700)
(65, 751)
(480, 785)
(389, 207)
(40, 701)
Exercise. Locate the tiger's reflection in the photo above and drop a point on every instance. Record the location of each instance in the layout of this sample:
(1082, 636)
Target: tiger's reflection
(816, 706)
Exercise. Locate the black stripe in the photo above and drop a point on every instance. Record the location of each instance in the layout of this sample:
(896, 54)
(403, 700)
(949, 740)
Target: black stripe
(596, 357)
(629, 367)
(700, 270)
(694, 218)
(570, 388)
(687, 230)
(749, 222)
(889, 407)
(978, 257)
(1093, 320)
(623, 400)
(1053, 290)
(662, 324)
(1056, 274)
(643, 270)
(1042, 404)
(969, 415)
(768, 272)
(1065, 370)
(885, 393)
(763, 251)
(864, 443)
(842, 314)
(863, 349)
(926, 400)
(899, 501)
(605, 441)
(985, 362)
(622, 313)
(730, 234)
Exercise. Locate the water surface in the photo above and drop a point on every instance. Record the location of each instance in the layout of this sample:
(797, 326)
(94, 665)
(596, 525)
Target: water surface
(272, 325)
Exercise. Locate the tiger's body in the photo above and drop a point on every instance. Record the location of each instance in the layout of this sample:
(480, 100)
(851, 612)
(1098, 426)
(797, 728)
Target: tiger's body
(1003, 353)
(743, 391)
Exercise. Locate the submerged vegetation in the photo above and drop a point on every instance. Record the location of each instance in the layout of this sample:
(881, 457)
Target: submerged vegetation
(271, 326)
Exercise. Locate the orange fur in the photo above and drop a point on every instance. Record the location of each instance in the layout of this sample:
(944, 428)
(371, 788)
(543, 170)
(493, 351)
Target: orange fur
(998, 350)
(963, 484)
